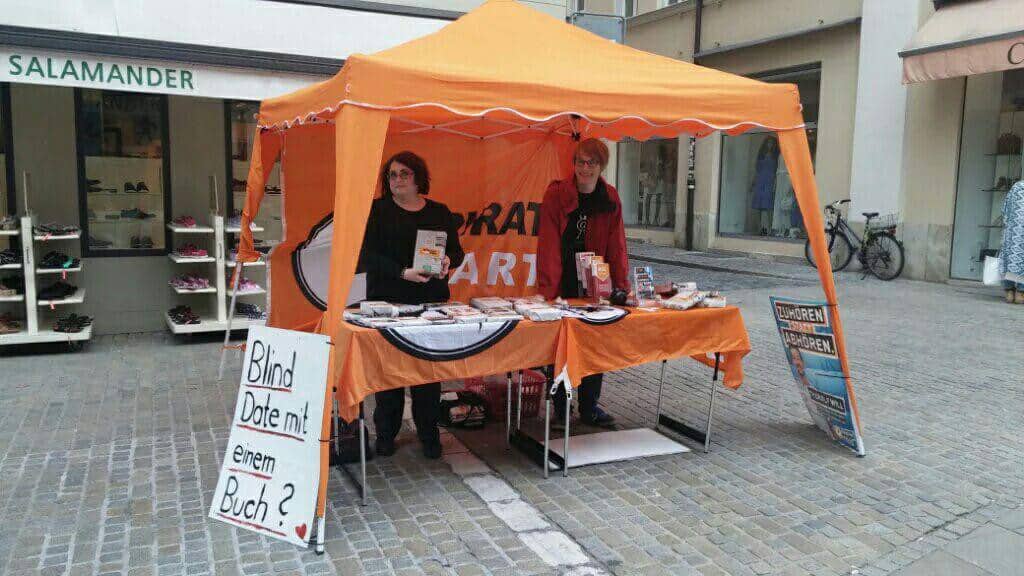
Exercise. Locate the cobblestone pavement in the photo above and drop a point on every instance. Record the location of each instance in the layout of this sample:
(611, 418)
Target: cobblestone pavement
(108, 459)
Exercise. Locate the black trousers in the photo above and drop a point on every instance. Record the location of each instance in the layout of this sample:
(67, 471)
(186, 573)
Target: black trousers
(426, 410)
(589, 392)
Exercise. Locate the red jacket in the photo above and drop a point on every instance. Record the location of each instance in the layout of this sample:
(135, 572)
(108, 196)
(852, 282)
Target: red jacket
(606, 237)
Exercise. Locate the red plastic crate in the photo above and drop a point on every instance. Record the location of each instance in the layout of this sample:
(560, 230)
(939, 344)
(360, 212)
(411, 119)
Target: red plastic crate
(492, 389)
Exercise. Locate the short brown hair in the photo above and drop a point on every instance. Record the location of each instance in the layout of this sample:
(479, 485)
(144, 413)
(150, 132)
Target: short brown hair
(595, 149)
(419, 170)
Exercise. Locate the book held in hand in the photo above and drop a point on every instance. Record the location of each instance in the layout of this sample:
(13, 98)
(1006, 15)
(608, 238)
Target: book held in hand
(429, 256)
(600, 281)
(583, 270)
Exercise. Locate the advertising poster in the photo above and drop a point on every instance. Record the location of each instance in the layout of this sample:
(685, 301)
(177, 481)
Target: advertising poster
(813, 356)
(270, 473)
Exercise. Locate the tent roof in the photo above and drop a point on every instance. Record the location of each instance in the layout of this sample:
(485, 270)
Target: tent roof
(505, 67)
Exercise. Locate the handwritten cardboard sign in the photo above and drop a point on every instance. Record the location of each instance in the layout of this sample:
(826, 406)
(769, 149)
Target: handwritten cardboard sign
(271, 469)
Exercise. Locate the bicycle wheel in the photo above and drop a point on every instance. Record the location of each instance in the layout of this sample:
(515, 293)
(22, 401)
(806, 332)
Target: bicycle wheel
(839, 249)
(883, 255)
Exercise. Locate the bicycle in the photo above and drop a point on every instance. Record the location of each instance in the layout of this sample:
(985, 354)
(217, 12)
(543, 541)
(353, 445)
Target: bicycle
(879, 252)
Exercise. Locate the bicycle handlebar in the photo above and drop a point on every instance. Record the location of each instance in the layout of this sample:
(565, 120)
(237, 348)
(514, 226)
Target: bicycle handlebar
(833, 207)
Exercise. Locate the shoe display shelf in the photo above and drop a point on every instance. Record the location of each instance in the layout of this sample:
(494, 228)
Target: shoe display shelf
(257, 295)
(34, 307)
(214, 318)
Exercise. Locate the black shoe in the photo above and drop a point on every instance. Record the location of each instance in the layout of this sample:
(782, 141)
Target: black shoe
(432, 450)
(385, 448)
(598, 418)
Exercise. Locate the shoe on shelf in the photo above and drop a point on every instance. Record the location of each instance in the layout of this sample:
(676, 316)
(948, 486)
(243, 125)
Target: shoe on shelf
(245, 285)
(53, 229)
(191, 251)
(57, 291)
(72, 323)
(183, 315)
(99, 243)
(431, 450)
(9, 324)
(141, 188)
(8, 223)
(1018, 298)
(9, 256)
(184, 221)
(384, 447)
(1011, 294)
(54, 260)
(129, 188)
(598, 418)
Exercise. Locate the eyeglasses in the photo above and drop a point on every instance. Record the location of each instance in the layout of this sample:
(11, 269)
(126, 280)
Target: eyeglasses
(401, 175)
(588, 163)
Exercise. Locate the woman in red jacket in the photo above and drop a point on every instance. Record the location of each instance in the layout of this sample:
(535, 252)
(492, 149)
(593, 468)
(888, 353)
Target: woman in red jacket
(581, 214)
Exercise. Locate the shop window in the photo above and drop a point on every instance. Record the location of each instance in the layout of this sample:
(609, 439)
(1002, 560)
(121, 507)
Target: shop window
(8, 211)
(647, 174)
(241, 130)
(755, 193)
(990, 163)
(124, 174)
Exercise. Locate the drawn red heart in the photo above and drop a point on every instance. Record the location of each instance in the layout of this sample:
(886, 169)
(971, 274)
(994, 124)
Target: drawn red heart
(301, 531)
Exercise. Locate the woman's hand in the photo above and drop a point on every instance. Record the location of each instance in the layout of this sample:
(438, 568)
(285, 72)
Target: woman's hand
(410, 275)
(445, 265)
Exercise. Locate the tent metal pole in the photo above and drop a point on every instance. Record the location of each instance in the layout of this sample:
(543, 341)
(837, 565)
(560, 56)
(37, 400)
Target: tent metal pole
(231, 317)
(661, 385)
(508, 409)
(711, 404)
(547, 431)
(519, 403)
(362, 453)
(565, 434)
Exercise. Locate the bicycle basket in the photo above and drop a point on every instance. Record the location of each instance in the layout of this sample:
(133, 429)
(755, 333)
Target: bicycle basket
(887, 222)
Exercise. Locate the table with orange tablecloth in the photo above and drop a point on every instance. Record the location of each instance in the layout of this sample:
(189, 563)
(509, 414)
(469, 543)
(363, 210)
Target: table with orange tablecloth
(383, 359)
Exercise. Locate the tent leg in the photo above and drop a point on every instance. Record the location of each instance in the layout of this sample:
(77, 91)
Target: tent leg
(547, 431)
(321, 534)
(362, 453)
(661, 386)
(519, 402)
(508, 409)
(565, 435)
(231, 316)
(711, 404)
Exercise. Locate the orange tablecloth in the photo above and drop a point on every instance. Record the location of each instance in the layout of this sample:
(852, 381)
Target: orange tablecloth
(377, 360)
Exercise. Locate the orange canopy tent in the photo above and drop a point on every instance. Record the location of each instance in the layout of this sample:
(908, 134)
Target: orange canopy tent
(493, 101)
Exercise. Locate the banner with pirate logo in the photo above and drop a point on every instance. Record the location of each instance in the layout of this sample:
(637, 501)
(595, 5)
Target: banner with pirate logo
(810, 346)
(498, 215)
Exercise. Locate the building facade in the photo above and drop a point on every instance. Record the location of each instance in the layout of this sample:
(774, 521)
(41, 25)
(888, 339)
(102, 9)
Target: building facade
(118, 117)
(918, 150)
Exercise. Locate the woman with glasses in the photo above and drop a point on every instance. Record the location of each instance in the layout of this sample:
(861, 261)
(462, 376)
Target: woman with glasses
(581, 214)
(387, 257)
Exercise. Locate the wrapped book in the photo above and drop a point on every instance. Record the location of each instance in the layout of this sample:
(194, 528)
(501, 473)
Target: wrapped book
(683, 300)
(489, 303)
(429, 256)
(600, 281)
(583, 270)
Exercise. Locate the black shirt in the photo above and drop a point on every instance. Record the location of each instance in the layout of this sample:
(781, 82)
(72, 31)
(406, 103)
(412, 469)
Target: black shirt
(389, 246)
(575, 235)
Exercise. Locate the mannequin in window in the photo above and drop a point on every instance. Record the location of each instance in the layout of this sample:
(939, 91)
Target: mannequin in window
(763, 187)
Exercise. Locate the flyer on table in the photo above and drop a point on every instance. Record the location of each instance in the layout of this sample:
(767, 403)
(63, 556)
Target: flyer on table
(810, 345)
(271, 469)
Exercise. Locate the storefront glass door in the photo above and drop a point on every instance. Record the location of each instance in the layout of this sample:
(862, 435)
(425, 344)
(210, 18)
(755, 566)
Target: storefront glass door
(990, 163)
